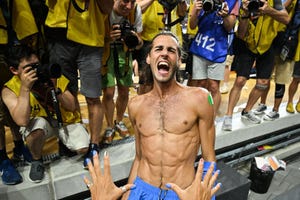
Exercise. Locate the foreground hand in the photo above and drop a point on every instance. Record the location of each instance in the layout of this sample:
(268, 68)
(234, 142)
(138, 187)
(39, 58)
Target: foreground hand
(224, 11)
(198, 5)
(199, 190)
(102, 186)
(28, 77)
(115, 32)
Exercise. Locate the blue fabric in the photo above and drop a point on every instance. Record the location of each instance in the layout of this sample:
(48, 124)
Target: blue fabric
(145, 191)
(211, 40)
(205, 169)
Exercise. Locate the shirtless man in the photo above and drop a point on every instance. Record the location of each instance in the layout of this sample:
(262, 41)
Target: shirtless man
(170, 123)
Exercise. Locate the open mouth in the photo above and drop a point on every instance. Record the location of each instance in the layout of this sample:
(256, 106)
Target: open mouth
(163, 67)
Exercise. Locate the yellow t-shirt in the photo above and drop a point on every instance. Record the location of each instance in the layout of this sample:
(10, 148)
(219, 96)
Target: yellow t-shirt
(3, 32)
(85, 28)
(153, 22)
(37, 110)
(190, 31)
(23, 21)
(297, 55)
(260, 36)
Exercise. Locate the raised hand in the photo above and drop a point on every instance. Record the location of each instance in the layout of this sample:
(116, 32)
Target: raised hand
(199, 190)
(102, 186)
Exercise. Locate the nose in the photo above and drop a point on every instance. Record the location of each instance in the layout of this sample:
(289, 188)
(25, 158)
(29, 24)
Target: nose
(164, 52)
(129, 5)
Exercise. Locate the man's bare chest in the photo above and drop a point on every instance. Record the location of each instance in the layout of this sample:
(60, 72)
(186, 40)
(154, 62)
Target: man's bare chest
(165, 117)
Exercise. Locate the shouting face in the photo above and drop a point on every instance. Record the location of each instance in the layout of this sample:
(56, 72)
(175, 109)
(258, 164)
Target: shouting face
(164, 57)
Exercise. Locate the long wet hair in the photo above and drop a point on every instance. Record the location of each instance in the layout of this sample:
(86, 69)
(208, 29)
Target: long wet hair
(166, 33)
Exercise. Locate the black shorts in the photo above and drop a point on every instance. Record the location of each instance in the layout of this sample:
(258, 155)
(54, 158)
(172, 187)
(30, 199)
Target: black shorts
(244, 60)
(296, 73)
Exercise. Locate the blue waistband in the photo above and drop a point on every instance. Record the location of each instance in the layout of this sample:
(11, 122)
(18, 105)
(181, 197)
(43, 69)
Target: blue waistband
(170, 194)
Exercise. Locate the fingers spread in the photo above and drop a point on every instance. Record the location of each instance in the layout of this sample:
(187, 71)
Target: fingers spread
(96, 162)
(106, 165)
(215, 189)
(208, 175)
(199, 170)
(213, 179)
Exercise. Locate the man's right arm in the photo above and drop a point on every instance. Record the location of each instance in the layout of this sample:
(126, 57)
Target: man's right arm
(144, 4)
(243, 20)
(197, 7)
(19, 107)
(132, 175)
(279, 15)
(132, 109)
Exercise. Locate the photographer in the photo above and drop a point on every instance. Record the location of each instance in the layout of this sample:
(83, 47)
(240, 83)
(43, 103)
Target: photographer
(256, 32)
(75, 33)
(215, 19)
(17, 25)
(124, 26)
(32, 111)
(283, 69)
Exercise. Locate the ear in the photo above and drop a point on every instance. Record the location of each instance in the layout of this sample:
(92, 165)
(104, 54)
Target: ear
(13, 70)
(148, 60)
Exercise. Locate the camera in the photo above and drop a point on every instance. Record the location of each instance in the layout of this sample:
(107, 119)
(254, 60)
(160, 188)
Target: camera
(46, 72)
(254, 5)
(212, 5)
(169, 4)
(130, 39)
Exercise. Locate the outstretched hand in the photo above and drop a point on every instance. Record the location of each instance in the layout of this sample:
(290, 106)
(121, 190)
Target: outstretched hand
(199, 190)
(102, 186)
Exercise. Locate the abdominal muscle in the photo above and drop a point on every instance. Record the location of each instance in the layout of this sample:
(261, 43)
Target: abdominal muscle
(168, 158)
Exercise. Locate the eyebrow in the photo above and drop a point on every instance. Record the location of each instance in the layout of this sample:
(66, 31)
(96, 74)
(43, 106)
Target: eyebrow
(168, 47)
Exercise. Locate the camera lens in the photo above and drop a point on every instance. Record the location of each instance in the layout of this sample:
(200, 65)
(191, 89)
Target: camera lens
(208, 5)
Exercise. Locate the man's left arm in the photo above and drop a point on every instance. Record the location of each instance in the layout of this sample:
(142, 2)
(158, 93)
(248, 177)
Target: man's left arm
(207, 129)
(207, 134)
(181, 8)
(229, 17)
(66, 99)
(281, 16)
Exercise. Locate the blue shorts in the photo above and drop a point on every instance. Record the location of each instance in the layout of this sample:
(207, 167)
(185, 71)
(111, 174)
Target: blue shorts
(145, 191)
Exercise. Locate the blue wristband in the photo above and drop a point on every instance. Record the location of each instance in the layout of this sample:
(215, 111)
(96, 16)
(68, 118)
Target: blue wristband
(207, 164)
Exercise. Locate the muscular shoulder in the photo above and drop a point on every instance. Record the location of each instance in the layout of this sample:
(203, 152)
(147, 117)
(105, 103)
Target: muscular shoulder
(135, 103)
(200, 99)
(198, 93)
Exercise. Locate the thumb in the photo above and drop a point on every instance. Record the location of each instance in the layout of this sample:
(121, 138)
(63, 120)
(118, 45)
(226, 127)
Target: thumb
(127, 187)
(175, 188)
